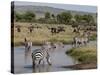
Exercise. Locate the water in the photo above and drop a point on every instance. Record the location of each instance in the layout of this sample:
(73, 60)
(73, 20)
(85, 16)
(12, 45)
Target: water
(59, 59)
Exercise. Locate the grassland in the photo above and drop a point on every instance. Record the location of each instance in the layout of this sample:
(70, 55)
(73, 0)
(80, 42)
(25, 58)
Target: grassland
(85, 54)
(38, 36)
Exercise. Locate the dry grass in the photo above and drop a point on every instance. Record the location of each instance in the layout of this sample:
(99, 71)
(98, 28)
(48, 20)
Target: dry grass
(38, 36)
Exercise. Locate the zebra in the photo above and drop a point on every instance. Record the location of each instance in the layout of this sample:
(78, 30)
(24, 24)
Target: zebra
(79, 41)
(28, 46)
(39, 55)
(42, 54)
(87, 34)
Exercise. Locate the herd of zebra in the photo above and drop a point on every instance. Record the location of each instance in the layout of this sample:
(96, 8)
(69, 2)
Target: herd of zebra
(82, 38)
(42, 54)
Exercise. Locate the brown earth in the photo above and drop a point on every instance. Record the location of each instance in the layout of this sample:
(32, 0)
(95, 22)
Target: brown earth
(83, 66)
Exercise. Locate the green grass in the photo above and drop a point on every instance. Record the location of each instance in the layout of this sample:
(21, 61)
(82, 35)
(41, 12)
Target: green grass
(93, 37)
(85, 54)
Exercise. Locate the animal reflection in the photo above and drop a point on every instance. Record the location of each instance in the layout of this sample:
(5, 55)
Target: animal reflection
(41, 68)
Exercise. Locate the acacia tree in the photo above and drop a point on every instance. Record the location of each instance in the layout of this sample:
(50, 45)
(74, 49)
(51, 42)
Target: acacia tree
(59, 20)
(88, 18)
(64, 17)
(78, 18)
(17, 16)
(47, 15)
(53, 16)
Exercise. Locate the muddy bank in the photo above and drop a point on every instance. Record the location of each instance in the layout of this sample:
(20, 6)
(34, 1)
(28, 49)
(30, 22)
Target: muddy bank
(82, 66)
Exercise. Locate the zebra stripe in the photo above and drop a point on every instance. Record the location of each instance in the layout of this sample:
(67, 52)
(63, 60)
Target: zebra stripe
(38, 55)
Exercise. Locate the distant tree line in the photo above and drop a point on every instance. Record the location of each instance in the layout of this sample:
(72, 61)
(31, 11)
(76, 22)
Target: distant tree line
(62, 18)
(26, 17)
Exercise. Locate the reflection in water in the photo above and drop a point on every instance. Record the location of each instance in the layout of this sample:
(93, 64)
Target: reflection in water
(27, 56)
(41, 68)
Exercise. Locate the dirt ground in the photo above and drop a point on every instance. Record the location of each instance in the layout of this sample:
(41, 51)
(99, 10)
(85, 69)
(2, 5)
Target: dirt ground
(83, 66)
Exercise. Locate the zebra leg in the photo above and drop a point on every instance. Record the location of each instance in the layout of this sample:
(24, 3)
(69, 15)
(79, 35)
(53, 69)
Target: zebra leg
(48, 59)
(43, 63)
(39, 61)
(33, 61)
(26, 56)
(76, 44)
(85, 42)
(88, 40)
(73, 44)
(33, 64)
(80, 44)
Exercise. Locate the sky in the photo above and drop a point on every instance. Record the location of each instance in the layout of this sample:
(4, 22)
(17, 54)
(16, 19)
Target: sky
(83, 8)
